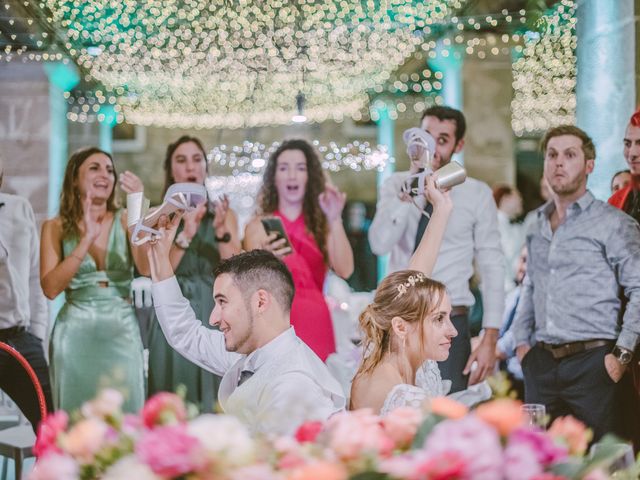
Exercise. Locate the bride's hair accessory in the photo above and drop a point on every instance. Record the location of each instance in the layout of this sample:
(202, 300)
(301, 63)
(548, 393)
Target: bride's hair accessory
(411, 282)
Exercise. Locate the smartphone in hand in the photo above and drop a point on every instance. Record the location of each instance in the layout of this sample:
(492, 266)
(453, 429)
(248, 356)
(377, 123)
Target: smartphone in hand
(274, 224)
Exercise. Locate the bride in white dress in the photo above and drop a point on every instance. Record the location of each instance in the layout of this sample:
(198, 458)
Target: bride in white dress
(407, 328)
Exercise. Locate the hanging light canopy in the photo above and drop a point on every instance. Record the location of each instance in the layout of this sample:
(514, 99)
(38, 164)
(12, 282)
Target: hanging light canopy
(215, 63)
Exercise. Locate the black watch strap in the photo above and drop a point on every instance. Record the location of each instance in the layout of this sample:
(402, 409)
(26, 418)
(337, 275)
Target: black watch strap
(226, 238)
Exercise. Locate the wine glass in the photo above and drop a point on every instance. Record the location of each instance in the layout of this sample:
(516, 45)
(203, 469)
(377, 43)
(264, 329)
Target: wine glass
(535, 414)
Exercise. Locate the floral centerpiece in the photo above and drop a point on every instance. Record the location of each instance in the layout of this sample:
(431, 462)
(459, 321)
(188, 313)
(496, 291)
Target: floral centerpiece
(445, 441)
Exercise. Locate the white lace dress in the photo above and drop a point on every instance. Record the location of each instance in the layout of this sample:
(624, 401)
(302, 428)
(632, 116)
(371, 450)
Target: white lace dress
(429, 384)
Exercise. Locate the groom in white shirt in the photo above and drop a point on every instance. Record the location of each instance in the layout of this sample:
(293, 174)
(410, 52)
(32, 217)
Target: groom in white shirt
(271, 380)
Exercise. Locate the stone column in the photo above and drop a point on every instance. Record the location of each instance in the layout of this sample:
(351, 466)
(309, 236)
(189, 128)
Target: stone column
(107, 119)
(386, 125)
(448, 60)
(62, 78)
(605, 89)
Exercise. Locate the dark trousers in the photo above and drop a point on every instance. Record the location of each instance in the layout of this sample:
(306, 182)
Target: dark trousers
(577, 385)
(15, 381)
(452, 367)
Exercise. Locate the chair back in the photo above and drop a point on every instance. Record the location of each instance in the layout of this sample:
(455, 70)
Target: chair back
(42, 404)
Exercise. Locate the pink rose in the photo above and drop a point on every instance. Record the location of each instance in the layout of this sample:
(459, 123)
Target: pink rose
(572, 433)
(48, 431)
(55, 467)
(163, 408)
(546, 450)
(551, 476)
(448, 408)
(319, 470)
(476, 443)
(402, 424)
(308, 432)
(504, 414)
(85, 439)
(353, 433)
(448, 466)
(521, 462)
(170, 451)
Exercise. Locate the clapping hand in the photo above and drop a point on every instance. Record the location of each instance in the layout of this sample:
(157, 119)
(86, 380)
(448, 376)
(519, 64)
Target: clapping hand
(332, 202)
(130, 183)
(192, 220)
(221, 208)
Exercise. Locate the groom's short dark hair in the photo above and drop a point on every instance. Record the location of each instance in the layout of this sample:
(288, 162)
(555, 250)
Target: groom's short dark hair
(259, 269)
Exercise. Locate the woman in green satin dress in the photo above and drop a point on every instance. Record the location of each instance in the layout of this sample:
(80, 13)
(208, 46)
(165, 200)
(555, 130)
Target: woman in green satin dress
(204, 238)
(85, 253)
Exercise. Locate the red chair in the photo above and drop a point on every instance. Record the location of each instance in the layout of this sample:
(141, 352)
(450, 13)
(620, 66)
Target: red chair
(17, 442)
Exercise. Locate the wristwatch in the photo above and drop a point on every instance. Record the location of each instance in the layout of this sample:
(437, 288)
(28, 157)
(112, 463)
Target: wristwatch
(623, 355)
(226, 238)
(182, 241)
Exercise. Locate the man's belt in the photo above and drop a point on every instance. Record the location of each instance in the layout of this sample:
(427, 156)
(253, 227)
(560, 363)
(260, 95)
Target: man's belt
(8, 333)
(567, 349)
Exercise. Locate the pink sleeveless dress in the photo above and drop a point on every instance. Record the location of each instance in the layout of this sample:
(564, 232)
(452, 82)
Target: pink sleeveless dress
(309, 313)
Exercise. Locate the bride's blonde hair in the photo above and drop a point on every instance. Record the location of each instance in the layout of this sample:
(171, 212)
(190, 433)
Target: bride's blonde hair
(407, 294)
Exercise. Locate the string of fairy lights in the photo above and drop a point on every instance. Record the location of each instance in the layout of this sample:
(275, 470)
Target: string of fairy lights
(214, 64)
(252, 157)
(544, 77)
(208, 64)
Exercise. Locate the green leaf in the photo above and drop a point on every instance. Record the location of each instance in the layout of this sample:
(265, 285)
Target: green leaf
(425, 429)
(370, 476)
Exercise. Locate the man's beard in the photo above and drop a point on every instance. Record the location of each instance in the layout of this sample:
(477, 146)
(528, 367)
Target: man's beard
(569, 188)
(245, 338)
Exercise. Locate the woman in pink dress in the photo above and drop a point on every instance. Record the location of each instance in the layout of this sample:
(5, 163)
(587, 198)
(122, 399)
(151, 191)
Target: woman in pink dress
(296, 191)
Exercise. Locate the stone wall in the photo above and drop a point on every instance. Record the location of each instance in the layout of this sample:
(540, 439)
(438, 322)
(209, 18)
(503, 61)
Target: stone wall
(24, 132)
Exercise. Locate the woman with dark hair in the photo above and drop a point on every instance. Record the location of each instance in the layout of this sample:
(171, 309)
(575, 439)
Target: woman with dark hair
(205, 236)
(296, 190)
(85, 253)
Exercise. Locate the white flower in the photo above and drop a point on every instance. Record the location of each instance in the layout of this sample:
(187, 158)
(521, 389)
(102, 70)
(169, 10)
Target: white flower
(107, 403)
(225, 436)
(129, 467)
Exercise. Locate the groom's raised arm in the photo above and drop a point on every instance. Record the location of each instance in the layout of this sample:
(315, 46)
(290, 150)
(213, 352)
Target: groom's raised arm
(185, 333)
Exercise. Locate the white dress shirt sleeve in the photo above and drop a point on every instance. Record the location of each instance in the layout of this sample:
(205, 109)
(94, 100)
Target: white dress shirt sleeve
(185, 333)
(489, 260)
(39, 315)
(390, 220)
(295, 398)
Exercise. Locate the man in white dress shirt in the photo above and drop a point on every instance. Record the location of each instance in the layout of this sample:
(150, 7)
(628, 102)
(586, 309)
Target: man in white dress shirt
(271, 380)
(471, 235)
(23, 308)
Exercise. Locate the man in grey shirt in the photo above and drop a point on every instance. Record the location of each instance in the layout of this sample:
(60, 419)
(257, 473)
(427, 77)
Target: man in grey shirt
(583, 254)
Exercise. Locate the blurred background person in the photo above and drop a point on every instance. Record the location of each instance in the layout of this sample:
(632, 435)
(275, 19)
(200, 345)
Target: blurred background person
(509, 203)
(85, 253)
(296, 190)
(23, 308)
(206, 235)
(620, 180)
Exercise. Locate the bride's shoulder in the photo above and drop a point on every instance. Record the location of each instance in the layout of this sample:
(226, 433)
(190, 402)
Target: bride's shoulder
(369, 390)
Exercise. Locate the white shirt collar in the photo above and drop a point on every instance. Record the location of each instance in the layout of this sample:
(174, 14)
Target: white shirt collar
(258, 357)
